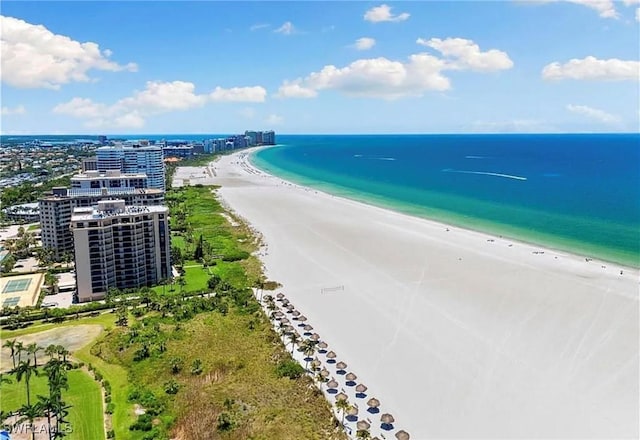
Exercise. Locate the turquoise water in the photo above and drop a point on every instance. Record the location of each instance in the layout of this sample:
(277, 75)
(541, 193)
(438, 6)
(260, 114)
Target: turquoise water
(579, 193)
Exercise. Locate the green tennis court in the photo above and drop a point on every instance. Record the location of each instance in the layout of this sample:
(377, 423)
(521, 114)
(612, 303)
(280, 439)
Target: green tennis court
(16, 286)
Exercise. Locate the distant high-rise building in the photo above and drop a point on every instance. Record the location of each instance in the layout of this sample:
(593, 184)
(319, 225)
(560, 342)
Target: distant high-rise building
(268, 137)
(119, 247)
(134, 160)
(89, 164)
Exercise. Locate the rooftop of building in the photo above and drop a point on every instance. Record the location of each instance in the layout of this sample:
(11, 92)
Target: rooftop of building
(60, 193)
(107, 175)
(21, 290)
(114, 208)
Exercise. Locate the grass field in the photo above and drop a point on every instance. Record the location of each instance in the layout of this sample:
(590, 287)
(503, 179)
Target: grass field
(85, 416)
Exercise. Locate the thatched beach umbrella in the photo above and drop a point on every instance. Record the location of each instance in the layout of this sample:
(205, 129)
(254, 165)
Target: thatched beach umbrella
(387, 418)
(373, 403)
(322, 345)
(280, 296)
(296, 313)
(331, 356)
(402, 435)
(363, 425)
(290, 307)
(351, 377)
(324, 373)
(307, 328)
(353, 411)
(332, 384)
(361, 388)
(302, 318)
(341, 396)
(284, 320)
(340, 365)
(278, 314)
(315, 337)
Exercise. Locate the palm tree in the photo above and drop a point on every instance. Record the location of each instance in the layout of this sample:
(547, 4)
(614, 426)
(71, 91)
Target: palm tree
(29, 413)
(294, 340)
(343, 406)
(19, 349)
(51, 280)
(26, 370)
(33, 349)
(182, 282)
(309, 349)
(46, 406)
(11, 345)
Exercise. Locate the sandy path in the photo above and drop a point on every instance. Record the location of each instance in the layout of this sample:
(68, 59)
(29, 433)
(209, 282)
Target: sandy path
(458, 333)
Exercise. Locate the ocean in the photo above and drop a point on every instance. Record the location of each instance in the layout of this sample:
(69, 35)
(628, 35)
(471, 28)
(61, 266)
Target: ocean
(574, 192)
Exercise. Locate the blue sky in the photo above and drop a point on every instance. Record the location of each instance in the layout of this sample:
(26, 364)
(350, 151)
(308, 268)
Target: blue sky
(320, 67)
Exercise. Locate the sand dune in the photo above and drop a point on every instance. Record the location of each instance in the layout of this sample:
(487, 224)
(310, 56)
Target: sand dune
(458, 333)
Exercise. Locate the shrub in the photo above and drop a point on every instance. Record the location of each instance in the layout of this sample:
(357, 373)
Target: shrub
(289, 368)
(225, 422)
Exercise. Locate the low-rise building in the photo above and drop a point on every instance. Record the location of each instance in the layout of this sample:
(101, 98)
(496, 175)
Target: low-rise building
(21, 290)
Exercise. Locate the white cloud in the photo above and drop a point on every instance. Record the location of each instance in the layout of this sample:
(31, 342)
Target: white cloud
(638, 14)
(464, 54)
(295, 90)
(34, 57)
(165, 96)
(286, 29)
(19, 110)
(631, 2)
(389, 79)
(383, 13)
(239, 94)
(591, 68)
(593, 113)
(157, 97)
(364, 43)
(604, 8)
(274, 119)
(256, 27)
(376, 78)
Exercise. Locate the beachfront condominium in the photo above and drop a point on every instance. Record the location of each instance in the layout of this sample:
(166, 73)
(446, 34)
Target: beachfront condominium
(134, 159)
(119, 247)
(56, 210)
(109, 179)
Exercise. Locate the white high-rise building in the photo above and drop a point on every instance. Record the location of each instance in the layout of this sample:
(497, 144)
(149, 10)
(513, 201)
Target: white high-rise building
(119, 246)
(134, 160)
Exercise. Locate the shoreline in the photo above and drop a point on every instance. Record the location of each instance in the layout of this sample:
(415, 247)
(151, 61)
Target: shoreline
(452, 219)
(457, 332)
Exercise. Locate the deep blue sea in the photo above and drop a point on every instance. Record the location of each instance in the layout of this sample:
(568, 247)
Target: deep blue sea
(576, 192)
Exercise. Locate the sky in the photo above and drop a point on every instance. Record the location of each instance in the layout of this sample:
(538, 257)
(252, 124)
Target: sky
(311, 67)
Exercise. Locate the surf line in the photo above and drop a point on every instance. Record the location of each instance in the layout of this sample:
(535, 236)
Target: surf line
(485, 173)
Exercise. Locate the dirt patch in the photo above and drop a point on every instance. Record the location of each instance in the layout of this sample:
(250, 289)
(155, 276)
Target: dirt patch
(72, 338)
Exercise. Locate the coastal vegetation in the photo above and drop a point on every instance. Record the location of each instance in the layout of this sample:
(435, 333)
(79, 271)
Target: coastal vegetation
(196, 357)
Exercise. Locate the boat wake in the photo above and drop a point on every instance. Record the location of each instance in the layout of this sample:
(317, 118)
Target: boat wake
(485, 173)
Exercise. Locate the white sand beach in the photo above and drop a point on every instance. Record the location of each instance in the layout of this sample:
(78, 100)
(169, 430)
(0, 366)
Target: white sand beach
(458, 333)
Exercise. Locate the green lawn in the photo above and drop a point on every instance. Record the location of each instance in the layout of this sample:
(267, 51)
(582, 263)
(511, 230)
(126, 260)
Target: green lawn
(123, 415)
(86, 414)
